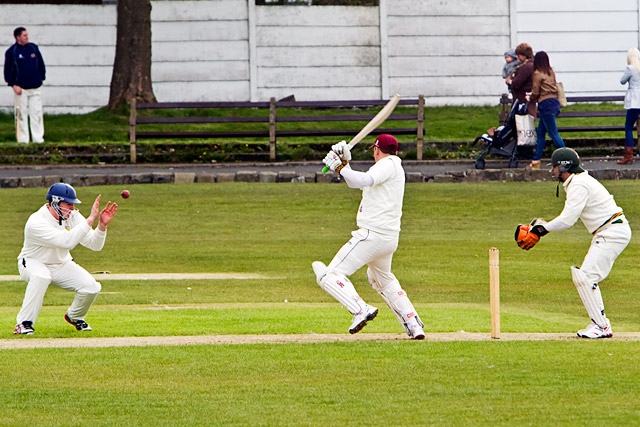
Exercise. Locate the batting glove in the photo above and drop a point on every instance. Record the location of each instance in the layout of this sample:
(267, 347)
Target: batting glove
(342, 149)
(334, 162)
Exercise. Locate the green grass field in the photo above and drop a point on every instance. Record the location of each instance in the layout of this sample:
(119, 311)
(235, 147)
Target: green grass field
(277, 230)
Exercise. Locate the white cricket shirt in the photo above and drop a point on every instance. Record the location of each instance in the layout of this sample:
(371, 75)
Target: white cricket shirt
(381, 206)
(49, 242)
(587, 200)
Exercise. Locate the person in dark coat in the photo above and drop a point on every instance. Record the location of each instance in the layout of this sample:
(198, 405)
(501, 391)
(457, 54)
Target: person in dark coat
(522, 76)
(24, 71)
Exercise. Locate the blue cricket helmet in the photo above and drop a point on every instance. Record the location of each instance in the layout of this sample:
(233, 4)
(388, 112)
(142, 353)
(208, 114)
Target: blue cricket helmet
(61, 192)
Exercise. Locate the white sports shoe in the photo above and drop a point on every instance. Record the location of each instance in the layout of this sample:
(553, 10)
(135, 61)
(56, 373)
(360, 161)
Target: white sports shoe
(319, 269)
(24, 328)
(79, 324)
(595, 331)
(361, 319)
(416, 333)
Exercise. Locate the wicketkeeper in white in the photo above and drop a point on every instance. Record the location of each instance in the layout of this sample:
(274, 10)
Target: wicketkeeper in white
(590, 201)
(49, 235)
(376, 240)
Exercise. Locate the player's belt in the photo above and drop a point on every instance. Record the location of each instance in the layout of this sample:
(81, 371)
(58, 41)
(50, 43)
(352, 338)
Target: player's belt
(611, 220)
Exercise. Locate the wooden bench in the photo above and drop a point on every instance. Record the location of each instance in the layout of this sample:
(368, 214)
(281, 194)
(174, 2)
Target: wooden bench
(265, 120)
(505, 102)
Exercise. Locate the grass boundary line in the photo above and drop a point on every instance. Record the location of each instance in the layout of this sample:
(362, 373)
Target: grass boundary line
(27, 342)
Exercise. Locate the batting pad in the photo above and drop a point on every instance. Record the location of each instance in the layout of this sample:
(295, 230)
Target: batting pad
(397, 300)
(319, 269)
(342, 290)
(591, 297)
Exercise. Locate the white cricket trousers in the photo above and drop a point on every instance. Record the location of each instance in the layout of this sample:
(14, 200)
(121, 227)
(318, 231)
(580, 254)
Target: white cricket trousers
(366, 248)
(606, 245)
(376, 251)
(28, 109)
(68, 276)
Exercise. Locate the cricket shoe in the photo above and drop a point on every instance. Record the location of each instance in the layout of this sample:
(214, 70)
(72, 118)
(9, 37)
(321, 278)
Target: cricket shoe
(361, 319)
(595, 331)
(79, 324)
(416, 333)
(24, 328)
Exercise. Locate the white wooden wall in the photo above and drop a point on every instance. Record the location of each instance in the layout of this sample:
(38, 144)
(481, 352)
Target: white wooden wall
(78, 47)
(322, 52)
(200, 50)
(450, 51)
(233, 50)
(587, 40)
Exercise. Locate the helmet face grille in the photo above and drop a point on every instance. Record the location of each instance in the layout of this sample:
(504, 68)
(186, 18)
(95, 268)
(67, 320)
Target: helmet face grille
(565, 158)
(565, 165)
(55, 204)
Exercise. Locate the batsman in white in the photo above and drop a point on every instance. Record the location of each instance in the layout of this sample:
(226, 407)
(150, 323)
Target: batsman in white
(589, 200)
(376, 240)
(49, 235)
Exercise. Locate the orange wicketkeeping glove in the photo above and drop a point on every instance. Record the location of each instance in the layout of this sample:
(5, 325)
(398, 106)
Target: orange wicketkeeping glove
(525, 238)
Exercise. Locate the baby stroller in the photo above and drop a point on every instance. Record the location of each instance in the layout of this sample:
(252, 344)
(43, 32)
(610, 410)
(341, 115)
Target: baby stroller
(503, 141)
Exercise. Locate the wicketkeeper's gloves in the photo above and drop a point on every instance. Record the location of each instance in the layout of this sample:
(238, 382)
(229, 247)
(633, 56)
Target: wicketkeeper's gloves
(528, 235)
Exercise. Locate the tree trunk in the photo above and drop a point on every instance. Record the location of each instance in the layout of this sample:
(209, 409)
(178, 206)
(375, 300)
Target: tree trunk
(131, 76)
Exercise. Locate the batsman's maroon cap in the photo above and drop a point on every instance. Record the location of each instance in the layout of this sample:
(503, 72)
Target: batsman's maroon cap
(386, 143)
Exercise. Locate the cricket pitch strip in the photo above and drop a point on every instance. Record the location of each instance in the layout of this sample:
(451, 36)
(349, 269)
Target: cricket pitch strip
(27, 342)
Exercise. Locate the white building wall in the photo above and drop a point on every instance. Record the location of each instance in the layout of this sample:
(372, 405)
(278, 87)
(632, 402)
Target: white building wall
(452, 52)
(78, 47)
(587, 41)
(225, 50)
(318, 53)
(200, 50)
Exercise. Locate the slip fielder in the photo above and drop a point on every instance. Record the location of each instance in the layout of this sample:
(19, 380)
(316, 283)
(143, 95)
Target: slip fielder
(50, 233)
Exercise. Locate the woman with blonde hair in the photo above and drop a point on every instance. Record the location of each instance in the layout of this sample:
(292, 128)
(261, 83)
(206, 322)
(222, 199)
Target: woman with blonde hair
(631, 102)
(544, 91)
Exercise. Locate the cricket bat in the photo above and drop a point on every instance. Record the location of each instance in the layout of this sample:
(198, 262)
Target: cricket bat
(377, 120)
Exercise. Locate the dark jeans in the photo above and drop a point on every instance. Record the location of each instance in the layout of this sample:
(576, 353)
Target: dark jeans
(547, 124)
(632, 117)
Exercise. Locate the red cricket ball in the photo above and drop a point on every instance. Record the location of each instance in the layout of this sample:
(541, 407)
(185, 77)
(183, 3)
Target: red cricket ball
(125, 194)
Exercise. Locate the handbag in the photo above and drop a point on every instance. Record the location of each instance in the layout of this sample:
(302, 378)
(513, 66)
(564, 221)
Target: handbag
(525, 126)
(562, 97)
